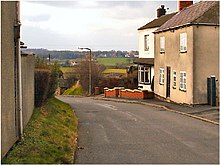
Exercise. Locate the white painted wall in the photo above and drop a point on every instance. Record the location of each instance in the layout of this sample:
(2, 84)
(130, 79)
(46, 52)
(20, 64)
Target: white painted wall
(142, 52)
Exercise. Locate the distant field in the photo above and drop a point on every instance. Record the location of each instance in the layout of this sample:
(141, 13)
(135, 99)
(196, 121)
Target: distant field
(113, 61)
(107, 71)
(67, 69)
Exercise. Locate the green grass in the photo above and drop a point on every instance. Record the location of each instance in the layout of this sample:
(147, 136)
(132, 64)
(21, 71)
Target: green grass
(50, 136)
(67, 69)
(76, 90)
(113, 61)
(123, 71)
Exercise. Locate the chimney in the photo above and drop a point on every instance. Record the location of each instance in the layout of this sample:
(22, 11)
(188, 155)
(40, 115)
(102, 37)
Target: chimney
(161, 11)
(183, 4)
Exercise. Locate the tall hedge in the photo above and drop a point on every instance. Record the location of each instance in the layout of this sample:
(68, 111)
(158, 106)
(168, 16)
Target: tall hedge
(46, 81)
(42, 82)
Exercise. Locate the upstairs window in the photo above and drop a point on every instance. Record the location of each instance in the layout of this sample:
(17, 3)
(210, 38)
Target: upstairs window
(146, 43)
(183, 81)
(183, 42)
(161, 80)
(162, 44)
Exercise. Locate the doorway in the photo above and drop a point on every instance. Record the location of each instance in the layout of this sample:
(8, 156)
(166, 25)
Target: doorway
(168, 82)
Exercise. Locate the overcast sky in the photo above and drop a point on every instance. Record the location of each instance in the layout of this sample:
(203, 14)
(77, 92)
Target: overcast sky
(99, 25)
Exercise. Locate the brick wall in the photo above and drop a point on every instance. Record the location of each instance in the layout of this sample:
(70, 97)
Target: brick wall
(127, 93)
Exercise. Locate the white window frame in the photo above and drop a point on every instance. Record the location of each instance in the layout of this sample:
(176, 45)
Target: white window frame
(174, 79)
(146, 42)
(183, 42)
(162, 44)
(182, 80)
(143, 70)
(161, 78)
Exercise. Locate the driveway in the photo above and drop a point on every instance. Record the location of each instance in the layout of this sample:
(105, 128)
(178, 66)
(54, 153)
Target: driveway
(114, 132)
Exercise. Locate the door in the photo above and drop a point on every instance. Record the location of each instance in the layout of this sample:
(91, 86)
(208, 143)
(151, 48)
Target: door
(168, 82)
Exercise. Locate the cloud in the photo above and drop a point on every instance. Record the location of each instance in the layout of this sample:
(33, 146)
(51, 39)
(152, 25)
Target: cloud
(101, 25)
(38, 18)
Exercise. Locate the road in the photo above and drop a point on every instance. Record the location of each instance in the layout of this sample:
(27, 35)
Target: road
(113, 132)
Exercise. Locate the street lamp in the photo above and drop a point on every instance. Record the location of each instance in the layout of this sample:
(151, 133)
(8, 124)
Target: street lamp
(90, 69)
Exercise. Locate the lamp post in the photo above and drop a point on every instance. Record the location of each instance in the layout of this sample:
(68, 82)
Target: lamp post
(90, 69)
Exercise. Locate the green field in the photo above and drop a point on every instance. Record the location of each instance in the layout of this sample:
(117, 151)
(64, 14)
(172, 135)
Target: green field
(107, 71)
(113, 61)
(67, 69)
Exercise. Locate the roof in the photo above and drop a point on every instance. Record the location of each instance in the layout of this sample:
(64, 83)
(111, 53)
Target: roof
(203, 12)
(157, 22)
(149, 61)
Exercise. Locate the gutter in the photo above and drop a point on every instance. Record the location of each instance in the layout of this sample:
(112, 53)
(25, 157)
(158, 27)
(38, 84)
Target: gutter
(186, 24)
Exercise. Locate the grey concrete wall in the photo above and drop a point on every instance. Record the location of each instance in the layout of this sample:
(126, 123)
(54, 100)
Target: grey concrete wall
(27, 70)
(9, 80)
(206, 59)
(8, 124)
(177, 61)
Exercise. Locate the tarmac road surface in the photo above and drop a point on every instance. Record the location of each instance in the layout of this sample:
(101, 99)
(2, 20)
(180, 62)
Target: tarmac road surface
(114, 132)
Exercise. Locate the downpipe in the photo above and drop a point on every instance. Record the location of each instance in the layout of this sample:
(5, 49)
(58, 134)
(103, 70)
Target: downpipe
(18, 24)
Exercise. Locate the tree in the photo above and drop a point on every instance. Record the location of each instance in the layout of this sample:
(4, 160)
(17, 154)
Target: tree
(96, 71)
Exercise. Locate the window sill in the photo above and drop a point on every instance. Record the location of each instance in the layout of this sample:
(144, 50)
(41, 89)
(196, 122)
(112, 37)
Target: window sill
(144, 83)
(174, 87)
(183, 51)
(183, 90)
(162, 52)
(161, 83)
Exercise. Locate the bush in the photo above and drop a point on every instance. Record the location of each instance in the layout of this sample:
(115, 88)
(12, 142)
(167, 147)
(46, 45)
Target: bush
(77, 90)
(46, 81)
(42, 80)
(53, 80)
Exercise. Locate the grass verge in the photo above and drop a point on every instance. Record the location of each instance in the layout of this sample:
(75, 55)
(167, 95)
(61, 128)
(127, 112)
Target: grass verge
(76, 90)
(49, 138)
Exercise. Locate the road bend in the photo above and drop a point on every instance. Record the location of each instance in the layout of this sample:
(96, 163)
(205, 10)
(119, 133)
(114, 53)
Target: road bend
(114, 132)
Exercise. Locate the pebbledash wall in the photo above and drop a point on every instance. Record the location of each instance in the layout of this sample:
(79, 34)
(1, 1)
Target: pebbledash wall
(9, 80)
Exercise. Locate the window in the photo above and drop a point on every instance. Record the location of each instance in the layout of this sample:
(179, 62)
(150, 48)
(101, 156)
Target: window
(183, 42)
(174, 79)
(162, 44)
(183, 81)
(144, 74)
(146, 42)
(161, 76)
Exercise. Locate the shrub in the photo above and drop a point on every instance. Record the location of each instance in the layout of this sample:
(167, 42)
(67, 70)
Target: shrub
(53, 80)
(46, 81)
(77, 90)
(42, 80)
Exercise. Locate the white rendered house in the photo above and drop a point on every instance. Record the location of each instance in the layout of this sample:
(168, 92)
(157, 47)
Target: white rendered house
(147, 48)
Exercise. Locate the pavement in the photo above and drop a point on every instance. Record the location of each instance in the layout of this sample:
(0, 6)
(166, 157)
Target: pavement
(205, 113)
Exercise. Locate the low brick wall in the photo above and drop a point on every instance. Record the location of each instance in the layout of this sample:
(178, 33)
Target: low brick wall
(115, 92)
(127, 93)
(136, 94)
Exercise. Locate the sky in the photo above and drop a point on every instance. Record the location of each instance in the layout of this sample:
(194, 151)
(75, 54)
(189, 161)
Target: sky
(99, 25)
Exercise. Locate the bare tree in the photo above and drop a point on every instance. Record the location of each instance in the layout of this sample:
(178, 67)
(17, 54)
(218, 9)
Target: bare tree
(96, 71)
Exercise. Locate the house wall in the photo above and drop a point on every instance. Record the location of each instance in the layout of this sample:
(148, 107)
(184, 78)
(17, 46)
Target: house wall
(8, 124)
(141, 41)
(27, 69)
(176, 61)
(206, 59)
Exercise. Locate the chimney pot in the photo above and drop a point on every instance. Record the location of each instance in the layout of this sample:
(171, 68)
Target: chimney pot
(161, 11)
